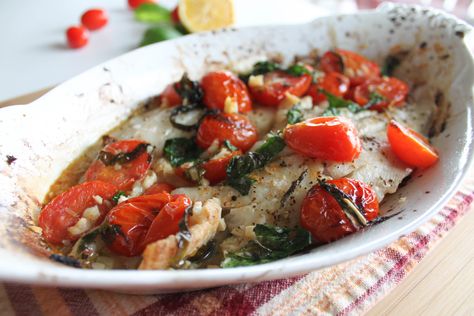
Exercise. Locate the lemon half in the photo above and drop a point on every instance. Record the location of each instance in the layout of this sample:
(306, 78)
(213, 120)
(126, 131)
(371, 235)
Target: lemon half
(206, 15)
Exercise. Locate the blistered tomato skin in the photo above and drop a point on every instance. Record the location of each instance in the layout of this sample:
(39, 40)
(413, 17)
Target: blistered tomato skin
(411, 147)
(392, 91)
(169, 97)
(322, 215)
(350, 64)
(215, 168)
(65, 210)
(236, 128)
(121, 174)
(333, 82)
(77, 36)
(275, 86)
(330, 138)
(94, 19)
(134, 218)
(220, 85)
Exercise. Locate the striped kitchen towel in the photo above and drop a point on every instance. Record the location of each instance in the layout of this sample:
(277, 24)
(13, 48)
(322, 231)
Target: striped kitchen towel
(348, 288)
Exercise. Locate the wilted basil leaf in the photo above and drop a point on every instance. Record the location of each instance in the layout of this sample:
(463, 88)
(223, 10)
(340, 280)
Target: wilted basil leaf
(180, 150)
(374, 99)
(240, 166)
(294, 115)
(336, 103)
(271, 243)
(298, 70)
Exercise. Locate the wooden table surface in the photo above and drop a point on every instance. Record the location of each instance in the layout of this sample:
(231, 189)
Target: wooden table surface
(441, 284)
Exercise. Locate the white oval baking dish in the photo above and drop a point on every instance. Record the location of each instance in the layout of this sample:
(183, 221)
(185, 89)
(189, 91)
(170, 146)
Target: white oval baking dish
(46, 135)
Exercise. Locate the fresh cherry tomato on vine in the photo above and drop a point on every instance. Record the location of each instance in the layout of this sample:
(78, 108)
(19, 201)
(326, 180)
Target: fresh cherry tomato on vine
(350, 64)
(218, 86)
(327, 138)
(332, 82)
(66, 209)
(411, 147)
(94, 19)
(276, 84)
(322, 215)
(121, 163)
(133, 4)
(381, 93)
(236, 128)
(77, 36)
(175, 15)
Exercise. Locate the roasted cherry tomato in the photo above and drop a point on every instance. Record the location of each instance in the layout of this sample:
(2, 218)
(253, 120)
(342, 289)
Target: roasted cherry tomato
(322, 215)
(167, 221)
(159, 188)
(276, 84)
(411, 147)
(131, 220)
(94, 19)
(332, 82)
(381, 93)
(66, 209)
(175, 15)
(218, 86)
(327, 138)
(77, 36)
(121, 163)
(133, 4)
(169, 97)
(215, 168)
(352, 65)
(236, 128)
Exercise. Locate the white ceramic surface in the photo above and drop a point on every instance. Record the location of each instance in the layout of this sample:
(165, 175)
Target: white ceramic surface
(47, 135)
(34, 54)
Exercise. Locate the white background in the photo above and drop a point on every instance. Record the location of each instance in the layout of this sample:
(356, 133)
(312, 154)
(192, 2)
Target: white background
(33, 51)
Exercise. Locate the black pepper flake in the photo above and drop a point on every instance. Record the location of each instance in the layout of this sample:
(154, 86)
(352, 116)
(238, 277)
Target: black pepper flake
(423, 45)
(10, 159)
(233, 198)
(427, 192)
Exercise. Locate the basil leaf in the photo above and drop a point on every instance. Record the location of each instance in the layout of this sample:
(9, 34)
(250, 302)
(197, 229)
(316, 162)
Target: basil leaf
(159, 33)
(242, 184)
(336, 103)
(190, 91)
(294, 115)
(240, 166)
(180, 150)
(270, 148)
(298, 70)
(152, 13)
(374, 99)
(117, 196)
(260, 68)
(271, 243)
(389, 66)
(229, 146)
